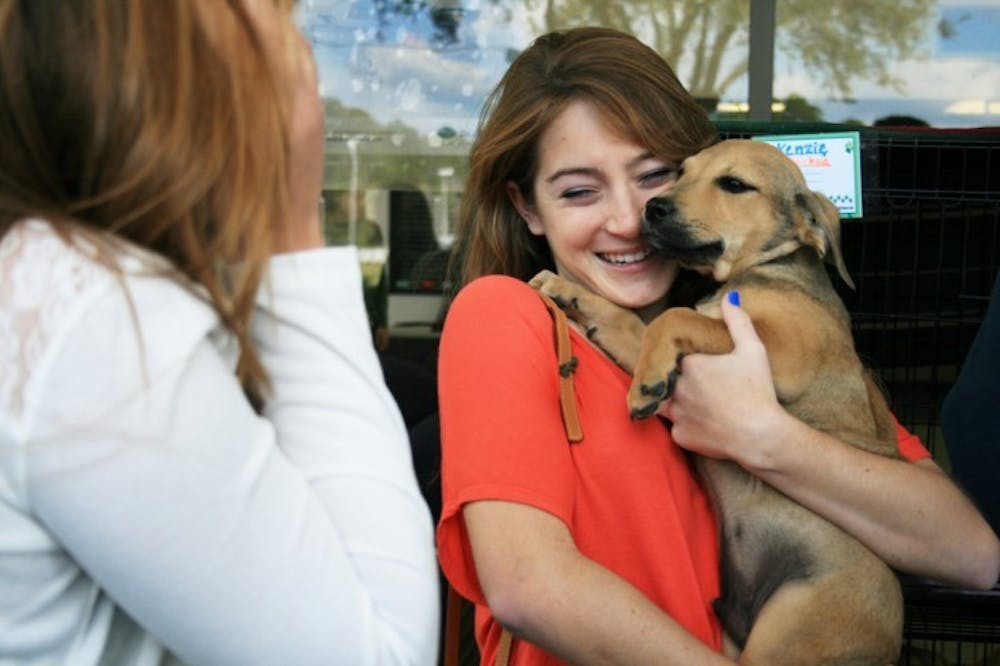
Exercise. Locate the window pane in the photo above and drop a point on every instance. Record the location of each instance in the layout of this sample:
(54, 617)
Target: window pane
(918, 60)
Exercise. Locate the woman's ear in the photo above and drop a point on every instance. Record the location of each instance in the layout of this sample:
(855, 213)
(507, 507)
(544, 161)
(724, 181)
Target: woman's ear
(524, 209)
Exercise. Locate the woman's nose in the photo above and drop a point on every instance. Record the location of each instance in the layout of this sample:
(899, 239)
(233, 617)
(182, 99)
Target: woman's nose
(625, 215)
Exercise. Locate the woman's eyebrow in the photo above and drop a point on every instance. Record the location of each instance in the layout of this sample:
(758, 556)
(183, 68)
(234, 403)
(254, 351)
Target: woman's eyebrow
(591, 171)
(572, 171)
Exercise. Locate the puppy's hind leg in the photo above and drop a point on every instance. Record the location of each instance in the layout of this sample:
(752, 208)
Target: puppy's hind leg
(813, 623)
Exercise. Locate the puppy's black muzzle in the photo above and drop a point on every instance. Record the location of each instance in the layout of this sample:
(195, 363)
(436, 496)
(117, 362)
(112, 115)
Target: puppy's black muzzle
(670, 237)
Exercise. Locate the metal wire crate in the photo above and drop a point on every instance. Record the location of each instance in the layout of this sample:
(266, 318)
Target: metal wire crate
(948, 627)
(923, 258)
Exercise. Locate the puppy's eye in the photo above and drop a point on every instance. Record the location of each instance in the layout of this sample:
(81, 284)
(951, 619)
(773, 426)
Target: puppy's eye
(733, 185)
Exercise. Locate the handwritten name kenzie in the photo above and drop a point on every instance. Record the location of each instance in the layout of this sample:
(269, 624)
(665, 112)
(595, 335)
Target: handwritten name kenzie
(803, 148)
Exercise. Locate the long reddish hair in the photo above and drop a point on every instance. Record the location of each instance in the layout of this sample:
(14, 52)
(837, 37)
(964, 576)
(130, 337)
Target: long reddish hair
(161, 122)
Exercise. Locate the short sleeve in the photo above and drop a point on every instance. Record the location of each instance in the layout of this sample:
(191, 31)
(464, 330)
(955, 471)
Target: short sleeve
(502, 436)
(910, 445)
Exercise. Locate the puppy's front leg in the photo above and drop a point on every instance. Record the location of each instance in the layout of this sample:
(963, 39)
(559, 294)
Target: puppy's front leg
(615, 330)
(676, 332)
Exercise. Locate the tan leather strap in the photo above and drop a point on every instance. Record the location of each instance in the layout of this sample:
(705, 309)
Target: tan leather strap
(452, 627)
(567, 366)
(574, 433)
(453, 636)
(503, 649)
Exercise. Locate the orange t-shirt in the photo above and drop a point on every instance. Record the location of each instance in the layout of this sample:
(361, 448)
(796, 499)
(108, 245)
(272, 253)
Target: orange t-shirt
(626, 492)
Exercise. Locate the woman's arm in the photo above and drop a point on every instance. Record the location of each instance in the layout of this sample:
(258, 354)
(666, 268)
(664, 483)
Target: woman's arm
(541, 588)
(337, 421)
(296, 537)
(910, 514)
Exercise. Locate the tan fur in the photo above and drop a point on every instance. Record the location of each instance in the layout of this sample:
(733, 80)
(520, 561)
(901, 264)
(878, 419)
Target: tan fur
(742, 213)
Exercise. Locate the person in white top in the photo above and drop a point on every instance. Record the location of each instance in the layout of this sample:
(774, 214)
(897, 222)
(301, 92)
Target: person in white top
(199, 459)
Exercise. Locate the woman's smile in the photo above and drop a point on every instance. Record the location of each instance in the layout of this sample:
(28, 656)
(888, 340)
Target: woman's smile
(625, 259)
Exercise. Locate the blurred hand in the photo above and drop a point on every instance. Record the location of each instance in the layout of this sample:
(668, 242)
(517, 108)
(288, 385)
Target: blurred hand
(307, 143)
(723, 405)
(298, 80)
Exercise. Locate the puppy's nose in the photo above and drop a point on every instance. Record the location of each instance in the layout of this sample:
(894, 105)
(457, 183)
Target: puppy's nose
(659, 208)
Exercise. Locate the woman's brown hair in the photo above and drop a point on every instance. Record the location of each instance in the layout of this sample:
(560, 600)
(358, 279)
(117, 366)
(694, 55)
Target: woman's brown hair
(161, 122)
(633, 87)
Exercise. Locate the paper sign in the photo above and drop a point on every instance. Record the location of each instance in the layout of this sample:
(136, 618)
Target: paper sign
(830, 162)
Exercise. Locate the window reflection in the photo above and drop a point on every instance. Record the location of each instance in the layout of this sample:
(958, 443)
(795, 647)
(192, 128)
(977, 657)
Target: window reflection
(429, 63)
(404, 80)
(934, 61)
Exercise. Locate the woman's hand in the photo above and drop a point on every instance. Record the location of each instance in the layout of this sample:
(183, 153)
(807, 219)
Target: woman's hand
(296, 78)
(307, 144)
(723, 405)
(910, 514)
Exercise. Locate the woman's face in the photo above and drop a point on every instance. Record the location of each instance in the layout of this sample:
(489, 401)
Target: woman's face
(590, 191)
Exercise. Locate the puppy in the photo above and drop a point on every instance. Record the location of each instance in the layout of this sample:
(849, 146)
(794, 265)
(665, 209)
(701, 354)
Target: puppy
(795, 588)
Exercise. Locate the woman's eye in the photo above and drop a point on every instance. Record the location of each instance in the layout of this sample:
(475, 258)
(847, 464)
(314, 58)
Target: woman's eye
(577, 193)
(660, 176)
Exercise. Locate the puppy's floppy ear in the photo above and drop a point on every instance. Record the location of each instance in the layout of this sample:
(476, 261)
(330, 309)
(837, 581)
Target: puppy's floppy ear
(822, 230)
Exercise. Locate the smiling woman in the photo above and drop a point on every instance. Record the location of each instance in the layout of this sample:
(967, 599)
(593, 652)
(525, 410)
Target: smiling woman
(604, 550)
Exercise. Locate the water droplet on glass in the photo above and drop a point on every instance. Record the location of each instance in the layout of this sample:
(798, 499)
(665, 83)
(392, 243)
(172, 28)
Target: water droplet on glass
(410, 94)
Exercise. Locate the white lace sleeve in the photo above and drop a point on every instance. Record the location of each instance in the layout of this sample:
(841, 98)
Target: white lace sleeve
(42, 280)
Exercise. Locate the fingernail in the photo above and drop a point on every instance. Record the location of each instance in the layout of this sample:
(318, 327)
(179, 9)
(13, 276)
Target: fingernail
(734, 297)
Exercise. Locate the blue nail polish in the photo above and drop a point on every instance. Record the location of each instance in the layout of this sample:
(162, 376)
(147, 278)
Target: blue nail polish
(734, 297)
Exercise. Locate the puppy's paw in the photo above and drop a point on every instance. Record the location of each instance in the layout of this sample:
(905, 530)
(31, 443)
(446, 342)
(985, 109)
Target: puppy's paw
(645, 399)
(651, 386)
(544, 281)
(562, 292)
(644, 411)
(615, 330)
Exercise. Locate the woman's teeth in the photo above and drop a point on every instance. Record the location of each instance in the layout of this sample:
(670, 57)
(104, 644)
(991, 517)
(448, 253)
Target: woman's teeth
(623, 259)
